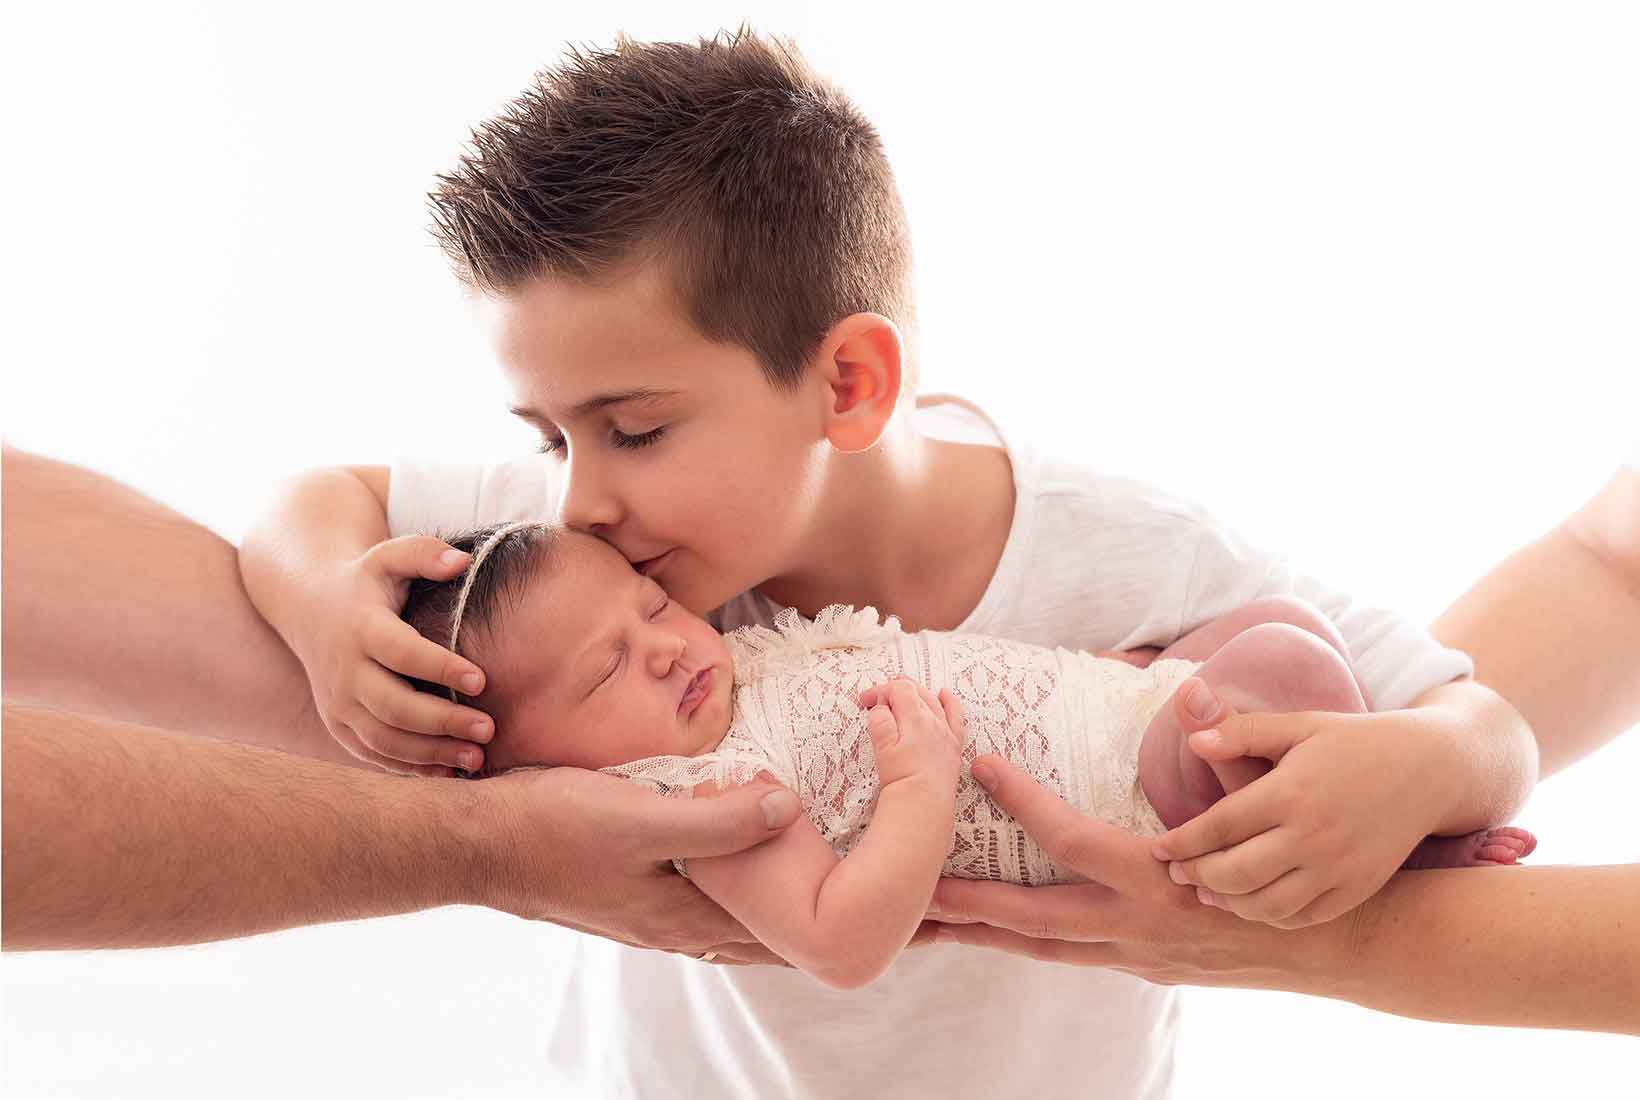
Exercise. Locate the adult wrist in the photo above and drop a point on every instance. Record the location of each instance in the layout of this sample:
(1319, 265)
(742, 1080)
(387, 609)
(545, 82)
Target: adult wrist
(465, 814)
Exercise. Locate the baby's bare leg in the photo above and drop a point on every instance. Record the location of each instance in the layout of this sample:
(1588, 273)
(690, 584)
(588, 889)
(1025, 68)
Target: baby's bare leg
(1271, 668)
(1275, 668)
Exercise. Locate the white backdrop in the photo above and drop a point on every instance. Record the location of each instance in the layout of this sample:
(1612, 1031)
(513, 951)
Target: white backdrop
(1363, 280)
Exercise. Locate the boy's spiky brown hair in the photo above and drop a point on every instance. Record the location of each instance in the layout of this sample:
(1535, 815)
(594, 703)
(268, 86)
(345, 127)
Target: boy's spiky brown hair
(757, 185)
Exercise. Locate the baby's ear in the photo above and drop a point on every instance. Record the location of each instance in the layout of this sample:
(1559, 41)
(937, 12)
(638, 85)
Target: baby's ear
(861, 360)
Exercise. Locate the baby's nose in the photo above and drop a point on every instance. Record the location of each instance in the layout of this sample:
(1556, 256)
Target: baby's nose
(666, 652)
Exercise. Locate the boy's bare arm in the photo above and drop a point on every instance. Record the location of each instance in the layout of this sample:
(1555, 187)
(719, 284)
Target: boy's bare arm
(1555, 627)
(116, 605)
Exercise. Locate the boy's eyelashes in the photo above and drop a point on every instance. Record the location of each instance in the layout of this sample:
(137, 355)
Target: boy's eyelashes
(554, 444)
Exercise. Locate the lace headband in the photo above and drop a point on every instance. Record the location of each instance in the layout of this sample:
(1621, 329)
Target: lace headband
(480, 552)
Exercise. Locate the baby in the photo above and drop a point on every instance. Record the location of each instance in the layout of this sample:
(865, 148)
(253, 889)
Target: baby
(590, 664)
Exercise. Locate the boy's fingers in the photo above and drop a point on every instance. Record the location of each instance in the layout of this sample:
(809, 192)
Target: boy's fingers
(417, 556)
(1231, 820)
(396, 704)
(1251, 865)
(395, 644)
(1270, 736)
(415, 752)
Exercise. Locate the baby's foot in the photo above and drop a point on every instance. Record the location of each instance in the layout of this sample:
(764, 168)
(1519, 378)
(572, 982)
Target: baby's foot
(1485, 848)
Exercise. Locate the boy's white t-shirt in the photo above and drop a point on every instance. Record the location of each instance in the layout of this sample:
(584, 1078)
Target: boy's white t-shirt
(1092, 562)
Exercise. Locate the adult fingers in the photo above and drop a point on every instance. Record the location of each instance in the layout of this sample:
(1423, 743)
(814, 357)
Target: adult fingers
(744, 954)
(1094, 849)
(1250, 865)
(396, 645)
(1001, 939)
(1080, 912)
(694, 828)
(1229, 821)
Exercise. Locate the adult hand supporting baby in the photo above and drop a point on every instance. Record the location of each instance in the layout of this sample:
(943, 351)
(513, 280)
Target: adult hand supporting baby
(593, 852)
(1131, 916)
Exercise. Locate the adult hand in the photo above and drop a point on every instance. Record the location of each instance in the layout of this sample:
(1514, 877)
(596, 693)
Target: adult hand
(593, 852)
(1131, 916)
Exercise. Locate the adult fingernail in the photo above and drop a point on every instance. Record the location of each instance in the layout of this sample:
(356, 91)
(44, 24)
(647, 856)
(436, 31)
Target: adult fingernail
(1201, 702)
(985, 775)
(779, 808)
(452, 557)
(470, 761)
(944, 935)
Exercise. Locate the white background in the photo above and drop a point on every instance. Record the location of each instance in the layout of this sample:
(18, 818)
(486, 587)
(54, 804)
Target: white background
(1361, 277)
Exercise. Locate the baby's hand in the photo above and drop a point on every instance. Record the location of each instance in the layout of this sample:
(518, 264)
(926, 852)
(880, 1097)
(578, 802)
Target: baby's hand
(358, 644)
(915, 733)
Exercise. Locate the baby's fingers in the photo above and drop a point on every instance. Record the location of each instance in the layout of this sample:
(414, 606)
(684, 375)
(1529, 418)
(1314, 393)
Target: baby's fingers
(951, 706)
(395, 644)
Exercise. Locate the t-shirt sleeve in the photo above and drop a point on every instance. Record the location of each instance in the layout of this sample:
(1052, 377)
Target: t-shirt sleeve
(1394, 660)
(1633, 459)
(428, 498)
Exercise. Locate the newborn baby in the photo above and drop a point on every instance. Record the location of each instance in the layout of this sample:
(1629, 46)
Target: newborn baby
(588, 663)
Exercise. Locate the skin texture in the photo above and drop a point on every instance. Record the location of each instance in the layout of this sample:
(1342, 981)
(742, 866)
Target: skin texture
(1522, 946)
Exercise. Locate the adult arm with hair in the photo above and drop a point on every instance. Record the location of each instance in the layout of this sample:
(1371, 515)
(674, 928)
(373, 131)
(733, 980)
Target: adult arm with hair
(118, 835)
(1554, 629)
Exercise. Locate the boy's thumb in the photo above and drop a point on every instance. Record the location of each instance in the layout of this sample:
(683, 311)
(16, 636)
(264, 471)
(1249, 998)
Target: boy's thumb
(418, 556)
(1270, 736)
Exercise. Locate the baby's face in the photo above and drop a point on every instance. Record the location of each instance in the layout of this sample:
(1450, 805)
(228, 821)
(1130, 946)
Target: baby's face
(596, 666)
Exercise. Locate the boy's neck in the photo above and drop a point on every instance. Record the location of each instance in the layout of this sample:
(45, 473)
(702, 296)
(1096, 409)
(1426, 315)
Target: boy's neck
(913, 527)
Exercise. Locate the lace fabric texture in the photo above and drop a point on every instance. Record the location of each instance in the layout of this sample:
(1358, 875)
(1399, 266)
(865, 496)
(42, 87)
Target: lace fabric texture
(1073, 721)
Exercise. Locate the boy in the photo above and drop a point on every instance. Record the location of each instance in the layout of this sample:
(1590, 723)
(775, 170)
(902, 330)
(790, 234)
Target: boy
(697, 275)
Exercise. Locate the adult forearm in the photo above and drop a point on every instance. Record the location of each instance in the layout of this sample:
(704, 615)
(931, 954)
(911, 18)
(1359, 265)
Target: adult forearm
(119, 606)
(124, 836)
(1511, 946)
(1555, 627)
(319, 519)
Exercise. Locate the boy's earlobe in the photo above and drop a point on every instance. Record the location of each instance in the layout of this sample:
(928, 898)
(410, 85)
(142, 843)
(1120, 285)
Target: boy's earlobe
(863, 372)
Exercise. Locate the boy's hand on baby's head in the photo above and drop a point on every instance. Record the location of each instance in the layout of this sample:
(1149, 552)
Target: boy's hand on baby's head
(357, 652)
(914, 732)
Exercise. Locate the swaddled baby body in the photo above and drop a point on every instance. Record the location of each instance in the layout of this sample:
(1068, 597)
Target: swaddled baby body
(590, 664)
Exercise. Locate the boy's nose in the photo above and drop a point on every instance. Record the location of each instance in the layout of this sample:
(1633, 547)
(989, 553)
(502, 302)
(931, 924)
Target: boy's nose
(588, 502)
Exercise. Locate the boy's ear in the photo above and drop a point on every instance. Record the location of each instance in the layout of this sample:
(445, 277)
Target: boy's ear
(860, 361)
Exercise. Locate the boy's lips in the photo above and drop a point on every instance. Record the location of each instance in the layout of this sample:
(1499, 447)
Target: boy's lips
(697, 690)
(648, 566)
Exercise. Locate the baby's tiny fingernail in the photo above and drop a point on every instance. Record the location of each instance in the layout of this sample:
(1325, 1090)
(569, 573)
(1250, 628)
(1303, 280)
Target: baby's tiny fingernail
(471, 683)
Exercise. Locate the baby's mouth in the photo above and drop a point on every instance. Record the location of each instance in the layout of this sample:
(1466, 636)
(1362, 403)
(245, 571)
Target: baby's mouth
(698, 686)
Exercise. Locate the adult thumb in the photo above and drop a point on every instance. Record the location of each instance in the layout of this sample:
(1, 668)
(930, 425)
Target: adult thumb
(732, 821)
(1271, 736)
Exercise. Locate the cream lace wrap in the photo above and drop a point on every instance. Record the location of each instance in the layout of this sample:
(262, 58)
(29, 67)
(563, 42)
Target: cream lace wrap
(1073, 721)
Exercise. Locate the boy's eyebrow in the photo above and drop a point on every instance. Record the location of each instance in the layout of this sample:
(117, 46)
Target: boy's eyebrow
(600, 401)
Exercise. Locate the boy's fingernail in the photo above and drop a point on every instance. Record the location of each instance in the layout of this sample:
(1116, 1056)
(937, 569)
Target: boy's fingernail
(1201, 702)
(452, 557)
(480, 730)
(471, 682)
(779, 808)
(1174, 873)
(985, 775)
(1207, 897)
(470, 761)
(1159, 851)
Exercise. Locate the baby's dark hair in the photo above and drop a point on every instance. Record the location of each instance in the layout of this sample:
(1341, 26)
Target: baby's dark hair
(463, 613)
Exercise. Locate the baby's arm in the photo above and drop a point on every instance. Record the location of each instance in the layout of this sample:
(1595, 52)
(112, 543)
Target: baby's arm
(843, 921)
